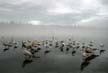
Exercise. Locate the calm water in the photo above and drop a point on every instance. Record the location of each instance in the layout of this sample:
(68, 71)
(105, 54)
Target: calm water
(12, 61)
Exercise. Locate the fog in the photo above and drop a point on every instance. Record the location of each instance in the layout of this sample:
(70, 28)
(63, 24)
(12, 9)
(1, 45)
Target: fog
(32, 31)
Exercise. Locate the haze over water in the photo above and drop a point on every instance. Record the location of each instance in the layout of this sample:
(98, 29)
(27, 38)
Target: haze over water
(54, 62)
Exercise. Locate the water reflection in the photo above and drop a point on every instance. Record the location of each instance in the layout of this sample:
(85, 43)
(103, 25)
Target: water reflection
(5, 49)
(26, 62)
(29, 60)
(73, 53)
(87, 61)
(46, 52)
(102, 51)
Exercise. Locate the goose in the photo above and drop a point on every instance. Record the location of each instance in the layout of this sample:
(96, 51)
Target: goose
(23, 44)
(101, 45)
(39, 48)
(102, 50)
(15, 45)
(87, 52)
(83, 45)
(74, 42)
(77, 45)
(67, 47)
(7, 44)
(43, 42)
(91, 43)
(27, 53)
(61, 48)
(6, 47)
(56, 44)
(50, 43)
(62, 44)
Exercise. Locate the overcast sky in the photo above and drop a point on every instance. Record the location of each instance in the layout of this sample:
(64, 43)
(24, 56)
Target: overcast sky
(56, 12)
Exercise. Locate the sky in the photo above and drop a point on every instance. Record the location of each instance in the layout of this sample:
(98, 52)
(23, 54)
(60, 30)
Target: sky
(56, 12)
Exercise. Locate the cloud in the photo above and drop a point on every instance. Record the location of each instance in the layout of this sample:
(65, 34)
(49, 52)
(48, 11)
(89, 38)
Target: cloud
(5, 9)
(54, 12)
(34, 22)
(61, 8)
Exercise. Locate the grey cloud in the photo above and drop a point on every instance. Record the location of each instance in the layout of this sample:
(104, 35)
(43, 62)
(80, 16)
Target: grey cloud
(104, 2)
(25, 10)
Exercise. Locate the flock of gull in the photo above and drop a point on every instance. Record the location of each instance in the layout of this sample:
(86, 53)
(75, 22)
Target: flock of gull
(31, 47)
